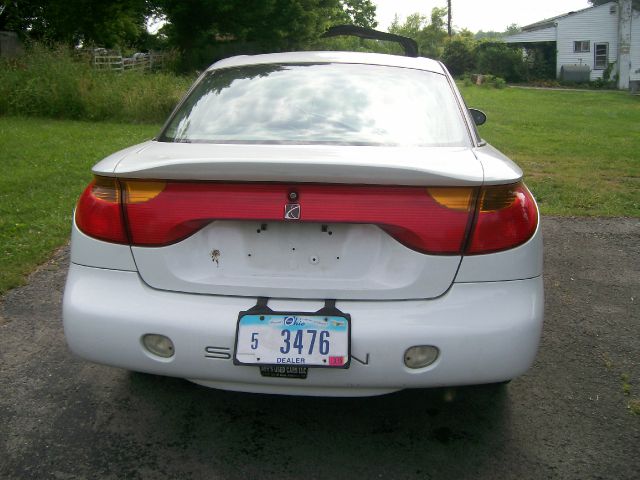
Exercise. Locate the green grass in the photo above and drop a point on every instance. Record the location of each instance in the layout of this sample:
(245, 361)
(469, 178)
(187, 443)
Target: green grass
(580, 151)
(44, 166)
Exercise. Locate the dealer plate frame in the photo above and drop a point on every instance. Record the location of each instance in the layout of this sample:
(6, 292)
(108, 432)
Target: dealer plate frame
(261, 308)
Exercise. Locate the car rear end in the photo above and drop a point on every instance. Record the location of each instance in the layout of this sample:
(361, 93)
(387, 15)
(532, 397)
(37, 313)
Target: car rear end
(304, 226)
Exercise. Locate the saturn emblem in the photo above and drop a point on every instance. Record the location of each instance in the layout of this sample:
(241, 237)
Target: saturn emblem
(292, 211)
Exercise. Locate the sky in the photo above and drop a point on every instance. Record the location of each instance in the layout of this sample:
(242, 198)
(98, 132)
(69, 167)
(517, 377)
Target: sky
(477, 15)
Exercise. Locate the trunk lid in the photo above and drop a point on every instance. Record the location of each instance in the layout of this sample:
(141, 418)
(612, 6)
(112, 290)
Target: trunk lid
(343, 257)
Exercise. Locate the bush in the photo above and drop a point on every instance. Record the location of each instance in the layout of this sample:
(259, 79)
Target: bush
(486, 81)
(493, 81)
(54, 82)
(499, 82)
(42, 82)
(540, 61)
(459, 55)
(601, 83)
(501, 60)
(545, 83)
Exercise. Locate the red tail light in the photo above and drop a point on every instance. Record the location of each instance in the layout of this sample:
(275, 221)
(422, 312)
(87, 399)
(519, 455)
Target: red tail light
(506, 217)
(409, 214)
(99, 211)
(429, 220)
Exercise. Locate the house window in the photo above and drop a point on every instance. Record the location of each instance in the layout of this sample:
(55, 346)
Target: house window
(581, 46)
(601, 53)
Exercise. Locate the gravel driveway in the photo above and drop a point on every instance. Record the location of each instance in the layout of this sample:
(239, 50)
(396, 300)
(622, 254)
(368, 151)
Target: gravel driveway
(567, 418)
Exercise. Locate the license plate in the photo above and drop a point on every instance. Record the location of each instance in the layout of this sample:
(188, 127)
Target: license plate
(293, 339)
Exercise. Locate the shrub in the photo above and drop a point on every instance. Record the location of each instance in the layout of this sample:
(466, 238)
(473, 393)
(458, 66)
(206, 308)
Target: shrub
(601, 83)
(486, 81)
(499, 82)
(54, 82)
(459, 55)
(540, 61)
(545, 83)
(502, 60)
(43, 82)
(493, 81)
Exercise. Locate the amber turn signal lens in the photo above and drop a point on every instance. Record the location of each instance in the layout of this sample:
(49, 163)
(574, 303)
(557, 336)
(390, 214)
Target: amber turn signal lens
(452, 197)
(137, 191)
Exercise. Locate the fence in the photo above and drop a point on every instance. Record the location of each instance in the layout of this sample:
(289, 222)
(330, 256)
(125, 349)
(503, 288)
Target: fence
(139, 61)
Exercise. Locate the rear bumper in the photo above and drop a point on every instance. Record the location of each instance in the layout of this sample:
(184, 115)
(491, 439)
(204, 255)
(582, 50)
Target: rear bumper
(486, 332)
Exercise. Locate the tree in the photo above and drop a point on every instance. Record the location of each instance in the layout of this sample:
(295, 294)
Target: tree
(108, 24)
(278, 22)
(512, 29)
(430, 33)
(502, 60)
(459, 53)
(357, 12)
(253, 26)
(203, 30)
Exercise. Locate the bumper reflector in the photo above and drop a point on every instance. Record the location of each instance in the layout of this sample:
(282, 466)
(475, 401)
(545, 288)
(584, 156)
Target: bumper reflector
(420, 356)
(158, 345)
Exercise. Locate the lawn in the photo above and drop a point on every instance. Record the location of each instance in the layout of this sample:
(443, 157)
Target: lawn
(580, 152)
(44, 166)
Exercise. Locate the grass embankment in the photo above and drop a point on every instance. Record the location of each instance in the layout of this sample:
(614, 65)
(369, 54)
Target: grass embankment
(580, 151)
(57, 83)
(44, 166)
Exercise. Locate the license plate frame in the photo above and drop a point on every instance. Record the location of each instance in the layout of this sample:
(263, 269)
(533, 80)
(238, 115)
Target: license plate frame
(328, 312)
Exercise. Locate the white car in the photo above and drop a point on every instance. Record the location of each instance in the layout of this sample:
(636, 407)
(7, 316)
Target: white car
(313, 223)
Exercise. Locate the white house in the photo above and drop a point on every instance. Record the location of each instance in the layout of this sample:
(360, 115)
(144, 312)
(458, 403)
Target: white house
(595, 37)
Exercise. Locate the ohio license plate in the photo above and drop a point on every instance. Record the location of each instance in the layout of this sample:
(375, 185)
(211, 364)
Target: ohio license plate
(288, 339)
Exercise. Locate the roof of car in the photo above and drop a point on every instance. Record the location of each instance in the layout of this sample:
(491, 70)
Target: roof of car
(331, 57)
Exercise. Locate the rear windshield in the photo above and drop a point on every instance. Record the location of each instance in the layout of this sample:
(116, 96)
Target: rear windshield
(344, 104)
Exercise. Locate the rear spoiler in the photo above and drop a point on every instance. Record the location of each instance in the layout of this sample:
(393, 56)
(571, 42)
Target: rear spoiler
(410, 46)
